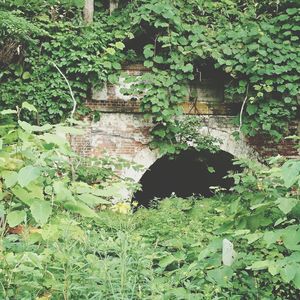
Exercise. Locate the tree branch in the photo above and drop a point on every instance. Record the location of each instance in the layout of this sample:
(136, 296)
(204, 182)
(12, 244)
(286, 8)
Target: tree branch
(242, 109)
(70, 89)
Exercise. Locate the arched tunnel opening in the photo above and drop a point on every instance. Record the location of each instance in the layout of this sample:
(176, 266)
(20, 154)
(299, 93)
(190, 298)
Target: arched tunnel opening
(189, 173)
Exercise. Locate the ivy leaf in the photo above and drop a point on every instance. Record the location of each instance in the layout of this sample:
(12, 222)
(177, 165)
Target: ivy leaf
(27, 175)
(286, 204)
(227, 51)
(10, 178)
(148, 63)
(107, 64)
(183, 41)
(113, 78)
(29, 106)
(116, 66)
(158, 59)
(211, 170)
(26, 75)
(111, 51)
(120, 45)
(251, 109)
(15, 218)
(187, 68)
(288, 272)
(148, 51)
(41, 211)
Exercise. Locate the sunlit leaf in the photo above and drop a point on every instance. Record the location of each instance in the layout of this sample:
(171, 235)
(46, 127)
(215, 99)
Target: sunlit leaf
(15, 218)
(287, 204)
(80, 208)
(10, 178)
(41, 211)
(27, 175)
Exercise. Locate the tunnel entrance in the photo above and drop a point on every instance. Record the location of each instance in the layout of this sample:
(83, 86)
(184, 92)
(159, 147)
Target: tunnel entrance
(189, 173)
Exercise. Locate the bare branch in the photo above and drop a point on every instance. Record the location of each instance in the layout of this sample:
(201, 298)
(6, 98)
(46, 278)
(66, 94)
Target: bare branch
(70, 89)
(242, 108)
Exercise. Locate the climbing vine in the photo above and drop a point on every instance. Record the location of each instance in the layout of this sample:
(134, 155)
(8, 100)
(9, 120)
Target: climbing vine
(256, 46)
(254, 43)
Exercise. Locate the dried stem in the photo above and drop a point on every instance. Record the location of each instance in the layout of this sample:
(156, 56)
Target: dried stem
(242, 108)
(70, 89)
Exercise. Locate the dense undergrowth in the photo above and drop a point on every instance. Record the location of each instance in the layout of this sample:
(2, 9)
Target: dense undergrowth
(69, 234)
(173, 252)
(66, 229)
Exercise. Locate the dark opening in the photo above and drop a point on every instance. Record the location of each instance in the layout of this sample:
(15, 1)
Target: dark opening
(189, 173)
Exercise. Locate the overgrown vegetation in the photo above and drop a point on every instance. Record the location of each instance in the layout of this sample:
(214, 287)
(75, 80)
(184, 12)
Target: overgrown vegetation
(41, 173)
(255, 43)
(57, 242)
(67, 230)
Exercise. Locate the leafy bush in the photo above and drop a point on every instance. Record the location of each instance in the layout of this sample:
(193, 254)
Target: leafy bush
(68, 248)
(37, 172)
(254, 44)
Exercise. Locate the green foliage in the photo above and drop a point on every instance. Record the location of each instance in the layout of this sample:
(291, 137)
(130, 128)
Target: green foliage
(37, 174)
(16, 27)
(86, 55)
(57, 242)
(261, 219)
(255, 44)
(189, 135)
(150, 256)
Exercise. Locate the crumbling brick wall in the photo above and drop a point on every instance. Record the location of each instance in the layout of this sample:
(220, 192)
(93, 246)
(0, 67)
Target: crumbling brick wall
(123, 131)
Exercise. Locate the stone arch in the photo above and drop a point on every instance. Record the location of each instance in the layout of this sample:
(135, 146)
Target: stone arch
(145, 158)
(237, 148)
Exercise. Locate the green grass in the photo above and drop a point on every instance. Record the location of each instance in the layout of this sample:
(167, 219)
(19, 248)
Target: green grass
(170, 252)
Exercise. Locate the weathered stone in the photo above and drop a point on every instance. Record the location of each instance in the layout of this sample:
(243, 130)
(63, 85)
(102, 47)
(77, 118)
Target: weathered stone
(123, 131)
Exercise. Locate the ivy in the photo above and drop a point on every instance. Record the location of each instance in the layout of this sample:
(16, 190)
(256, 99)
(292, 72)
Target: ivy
(254, 44)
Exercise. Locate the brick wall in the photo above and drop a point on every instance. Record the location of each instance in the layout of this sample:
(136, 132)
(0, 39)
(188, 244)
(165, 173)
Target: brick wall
(205, 96)
(115, 134)
(122, 130)
(267, 147)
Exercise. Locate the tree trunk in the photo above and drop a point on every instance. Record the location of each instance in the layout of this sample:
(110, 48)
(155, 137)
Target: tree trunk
(88, 11)
(113, 4)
